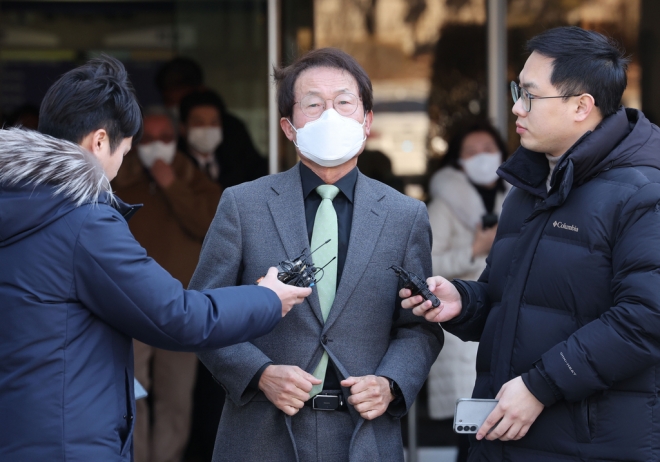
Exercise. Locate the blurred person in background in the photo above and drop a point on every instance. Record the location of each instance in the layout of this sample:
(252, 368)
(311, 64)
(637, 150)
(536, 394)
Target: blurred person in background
(466, 200)
(375, 164)
(179, 204)
(218, 141)
(220, 146)
(176, 79)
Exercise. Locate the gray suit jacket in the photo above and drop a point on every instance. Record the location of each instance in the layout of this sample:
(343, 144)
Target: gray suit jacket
(261, 223)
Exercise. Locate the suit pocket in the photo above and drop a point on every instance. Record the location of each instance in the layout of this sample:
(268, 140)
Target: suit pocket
(585, 416)
(581, 421)
(125, 427)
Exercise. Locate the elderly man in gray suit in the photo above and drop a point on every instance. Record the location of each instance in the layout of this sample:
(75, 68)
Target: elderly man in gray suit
(333, 379)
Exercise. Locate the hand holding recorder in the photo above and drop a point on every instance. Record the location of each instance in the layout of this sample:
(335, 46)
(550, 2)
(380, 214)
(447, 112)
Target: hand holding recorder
(450, 299)
(289, 295)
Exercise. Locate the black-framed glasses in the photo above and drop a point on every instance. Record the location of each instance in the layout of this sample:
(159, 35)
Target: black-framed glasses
(344, 103)
(518, 92)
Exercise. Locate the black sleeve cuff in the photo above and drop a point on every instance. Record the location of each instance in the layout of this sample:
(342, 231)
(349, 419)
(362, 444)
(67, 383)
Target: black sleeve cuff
(465, 302)
(541, 386)
(254, 383)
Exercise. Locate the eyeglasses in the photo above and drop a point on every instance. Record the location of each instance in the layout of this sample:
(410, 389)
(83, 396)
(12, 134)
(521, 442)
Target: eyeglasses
(344, 103)
(517, 92)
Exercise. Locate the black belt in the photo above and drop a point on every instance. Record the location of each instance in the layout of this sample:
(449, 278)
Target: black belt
(327, 400)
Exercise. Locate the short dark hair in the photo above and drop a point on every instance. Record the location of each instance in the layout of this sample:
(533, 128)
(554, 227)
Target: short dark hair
(453, 154)
(584, 62)
(93, 96)
(200, 98)
(179, 72)
(324, 57)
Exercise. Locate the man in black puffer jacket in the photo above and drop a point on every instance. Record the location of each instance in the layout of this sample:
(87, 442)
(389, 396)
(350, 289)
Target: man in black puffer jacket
(567, 312)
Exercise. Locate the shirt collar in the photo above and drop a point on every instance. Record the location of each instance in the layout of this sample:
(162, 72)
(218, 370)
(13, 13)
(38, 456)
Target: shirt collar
(311, 180)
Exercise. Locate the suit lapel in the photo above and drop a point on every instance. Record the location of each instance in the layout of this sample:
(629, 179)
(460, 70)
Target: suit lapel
(287, 208)
(368, 219)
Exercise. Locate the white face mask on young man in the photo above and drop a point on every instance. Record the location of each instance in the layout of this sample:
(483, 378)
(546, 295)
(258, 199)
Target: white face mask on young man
(149, 153)
(330, 140)
(204, 140)
(481, 168)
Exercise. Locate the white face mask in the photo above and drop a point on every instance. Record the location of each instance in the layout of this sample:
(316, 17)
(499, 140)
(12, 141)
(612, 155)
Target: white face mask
(149, 153)
(331, 139)
(204, 139)
(481, 168)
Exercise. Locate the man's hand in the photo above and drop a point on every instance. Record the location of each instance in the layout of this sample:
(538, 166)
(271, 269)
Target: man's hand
(483, 240)
(370, 395)
(443, 289)
(287, 387)
(163, 174)
(289, 295)
(516, 412)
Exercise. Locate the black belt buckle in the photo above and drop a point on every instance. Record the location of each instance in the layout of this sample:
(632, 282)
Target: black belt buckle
(327, 402)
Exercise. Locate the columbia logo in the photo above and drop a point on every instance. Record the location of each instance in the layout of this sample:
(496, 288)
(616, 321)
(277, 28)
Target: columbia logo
(559, 224)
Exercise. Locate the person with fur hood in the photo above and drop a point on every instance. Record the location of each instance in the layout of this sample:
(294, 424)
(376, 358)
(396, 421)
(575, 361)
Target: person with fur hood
(466, 200)
(75, 286)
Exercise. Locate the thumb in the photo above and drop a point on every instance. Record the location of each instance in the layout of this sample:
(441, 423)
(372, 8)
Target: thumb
(349, 381)
(304, 291)
(309, 377)
(272, 271)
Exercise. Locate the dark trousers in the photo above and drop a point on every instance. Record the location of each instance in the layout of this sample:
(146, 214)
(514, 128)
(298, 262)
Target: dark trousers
(322, 435)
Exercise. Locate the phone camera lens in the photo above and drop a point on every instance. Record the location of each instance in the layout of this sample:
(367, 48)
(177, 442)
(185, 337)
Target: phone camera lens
(473, 428)
(459, 428)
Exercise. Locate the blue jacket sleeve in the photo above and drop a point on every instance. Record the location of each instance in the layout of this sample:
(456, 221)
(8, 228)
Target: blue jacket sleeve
(119, 283)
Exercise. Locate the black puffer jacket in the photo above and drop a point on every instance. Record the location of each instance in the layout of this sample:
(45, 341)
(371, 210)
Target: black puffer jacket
(570, 299)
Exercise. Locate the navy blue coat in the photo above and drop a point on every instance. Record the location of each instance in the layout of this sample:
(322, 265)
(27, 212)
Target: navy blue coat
(570, 299)
(75, 287)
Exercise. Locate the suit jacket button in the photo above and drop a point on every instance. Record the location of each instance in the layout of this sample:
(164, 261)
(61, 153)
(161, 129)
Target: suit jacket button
(324, 340)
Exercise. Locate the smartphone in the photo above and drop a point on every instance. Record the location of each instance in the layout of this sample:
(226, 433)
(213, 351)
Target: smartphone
(470, 414)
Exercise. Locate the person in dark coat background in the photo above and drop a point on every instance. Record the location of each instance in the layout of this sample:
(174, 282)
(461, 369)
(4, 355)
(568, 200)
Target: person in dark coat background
(218, 141)
(567, 311)
(75, 286)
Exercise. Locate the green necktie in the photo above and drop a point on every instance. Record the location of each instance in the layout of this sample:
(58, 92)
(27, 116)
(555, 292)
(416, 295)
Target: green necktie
(325, 227)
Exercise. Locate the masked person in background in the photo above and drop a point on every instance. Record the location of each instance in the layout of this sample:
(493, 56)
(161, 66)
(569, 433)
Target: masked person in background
(218, 141)
(466, 200)
(333, 382)
(179, 204)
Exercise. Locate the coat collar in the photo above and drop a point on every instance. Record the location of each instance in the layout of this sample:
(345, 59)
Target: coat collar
(592, 153)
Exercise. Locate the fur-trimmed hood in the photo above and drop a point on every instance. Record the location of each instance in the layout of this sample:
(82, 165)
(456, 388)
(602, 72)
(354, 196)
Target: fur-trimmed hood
(42, 178)
(30, 157)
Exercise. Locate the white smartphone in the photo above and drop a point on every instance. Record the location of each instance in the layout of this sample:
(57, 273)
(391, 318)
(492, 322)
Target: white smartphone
(470, 414)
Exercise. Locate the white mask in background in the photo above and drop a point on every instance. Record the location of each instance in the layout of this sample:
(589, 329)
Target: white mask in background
(331, 139)
(149, 153)
(204, 139)
(481, 168)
